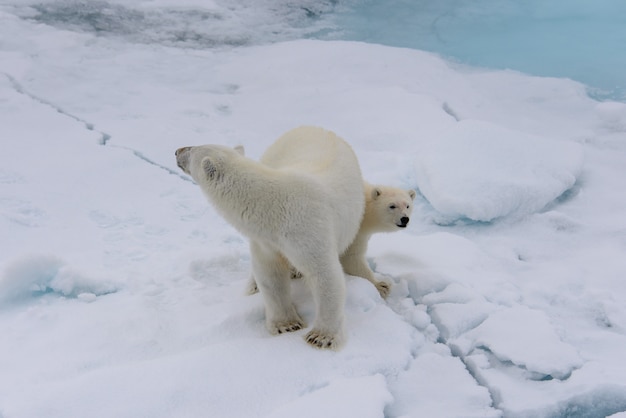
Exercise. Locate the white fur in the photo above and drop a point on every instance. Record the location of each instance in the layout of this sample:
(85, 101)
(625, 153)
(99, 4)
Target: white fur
(387, 209)
(301, 206)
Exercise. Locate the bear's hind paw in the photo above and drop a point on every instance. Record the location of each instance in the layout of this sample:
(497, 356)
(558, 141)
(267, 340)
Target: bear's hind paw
(286, 326)
(322, 341)
(252, 287)
(295, 274)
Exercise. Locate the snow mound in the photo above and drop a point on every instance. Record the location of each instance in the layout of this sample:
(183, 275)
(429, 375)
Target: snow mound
(481, 171)
(39, 274)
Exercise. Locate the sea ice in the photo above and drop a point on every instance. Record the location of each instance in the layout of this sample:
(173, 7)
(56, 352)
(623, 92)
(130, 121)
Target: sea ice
(482, 172)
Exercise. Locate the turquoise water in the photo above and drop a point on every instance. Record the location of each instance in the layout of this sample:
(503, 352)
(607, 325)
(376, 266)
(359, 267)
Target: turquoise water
(584, 40)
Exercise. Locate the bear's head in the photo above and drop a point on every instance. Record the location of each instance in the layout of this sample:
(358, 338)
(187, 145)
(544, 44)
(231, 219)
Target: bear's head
(391, 208)
(205, 163)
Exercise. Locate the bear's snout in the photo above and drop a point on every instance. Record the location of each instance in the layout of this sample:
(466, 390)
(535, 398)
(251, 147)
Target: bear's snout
(181, 150)
(404, 221)
(182, 157)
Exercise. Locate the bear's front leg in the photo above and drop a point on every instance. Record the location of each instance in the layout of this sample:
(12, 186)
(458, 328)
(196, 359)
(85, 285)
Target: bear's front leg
(272, 274)
(354, 263)
(383, 288)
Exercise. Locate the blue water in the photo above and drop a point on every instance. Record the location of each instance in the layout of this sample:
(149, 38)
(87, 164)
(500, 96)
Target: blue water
(584, 40)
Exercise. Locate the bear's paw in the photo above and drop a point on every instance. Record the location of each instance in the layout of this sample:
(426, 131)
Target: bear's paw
(383, 288)
(322, 340)
(252, 287)
(283, 327)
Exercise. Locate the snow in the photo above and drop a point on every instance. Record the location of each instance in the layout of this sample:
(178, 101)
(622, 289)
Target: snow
(525, 338)
(122, 292)
(439, 385)
(341, 398)
(511, 172)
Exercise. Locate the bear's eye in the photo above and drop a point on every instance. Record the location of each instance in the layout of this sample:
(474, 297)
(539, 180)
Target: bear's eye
(392, 206)
(407, 206)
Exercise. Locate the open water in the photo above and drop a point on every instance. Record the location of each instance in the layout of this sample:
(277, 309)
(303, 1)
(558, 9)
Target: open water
(584, 40)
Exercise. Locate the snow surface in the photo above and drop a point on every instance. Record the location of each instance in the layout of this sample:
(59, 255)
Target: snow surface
(122, 293)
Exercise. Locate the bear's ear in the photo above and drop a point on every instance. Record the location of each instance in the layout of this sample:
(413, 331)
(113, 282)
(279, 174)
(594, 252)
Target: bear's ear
(412, 194)
(376, 193)
(209, 167)
(240, 150)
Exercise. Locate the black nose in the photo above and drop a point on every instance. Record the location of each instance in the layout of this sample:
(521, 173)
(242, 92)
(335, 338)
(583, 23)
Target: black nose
(404, 220)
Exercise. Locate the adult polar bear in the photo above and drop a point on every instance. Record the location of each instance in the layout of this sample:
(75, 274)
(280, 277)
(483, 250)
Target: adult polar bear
(301, 205)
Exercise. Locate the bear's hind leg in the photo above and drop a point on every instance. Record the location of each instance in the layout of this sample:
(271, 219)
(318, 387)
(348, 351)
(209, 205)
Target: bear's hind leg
(272, 273)
(251, 287)
(325, 277)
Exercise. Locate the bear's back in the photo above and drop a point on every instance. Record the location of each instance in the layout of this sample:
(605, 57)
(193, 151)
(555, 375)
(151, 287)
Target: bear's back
(307, 149)
(329, 160)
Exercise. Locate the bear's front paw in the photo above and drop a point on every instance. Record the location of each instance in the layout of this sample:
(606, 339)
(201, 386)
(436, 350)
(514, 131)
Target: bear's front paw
(383, 288)
(321, 340)
(286, 326)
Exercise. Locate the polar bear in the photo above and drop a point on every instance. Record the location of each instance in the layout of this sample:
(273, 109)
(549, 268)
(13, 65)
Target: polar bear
(387, 209)
(300, 206)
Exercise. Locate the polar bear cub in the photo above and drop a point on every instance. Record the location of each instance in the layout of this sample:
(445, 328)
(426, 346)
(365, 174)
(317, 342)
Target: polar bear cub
(300, 206)
(387, 209)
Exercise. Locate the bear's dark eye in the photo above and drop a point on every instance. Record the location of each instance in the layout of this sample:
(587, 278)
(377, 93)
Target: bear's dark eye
(407, 206)
(392, 206)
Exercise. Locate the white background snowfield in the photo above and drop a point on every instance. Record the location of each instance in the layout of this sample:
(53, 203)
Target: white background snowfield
(122, 292)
